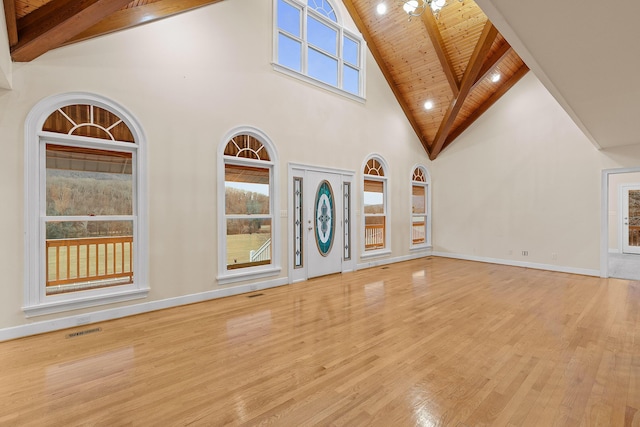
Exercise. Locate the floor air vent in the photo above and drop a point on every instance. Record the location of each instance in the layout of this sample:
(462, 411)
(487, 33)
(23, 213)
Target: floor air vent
(85, 332)
(254, 295)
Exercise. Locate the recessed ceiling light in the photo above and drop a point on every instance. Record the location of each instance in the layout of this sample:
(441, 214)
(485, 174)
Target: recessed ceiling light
(495, 77)
(381, 9)
(428, 105)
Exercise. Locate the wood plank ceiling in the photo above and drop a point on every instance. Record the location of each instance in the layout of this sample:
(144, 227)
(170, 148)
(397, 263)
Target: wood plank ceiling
(449, 60)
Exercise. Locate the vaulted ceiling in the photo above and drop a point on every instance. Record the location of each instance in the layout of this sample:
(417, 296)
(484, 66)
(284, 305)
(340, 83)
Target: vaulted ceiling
(451, 60)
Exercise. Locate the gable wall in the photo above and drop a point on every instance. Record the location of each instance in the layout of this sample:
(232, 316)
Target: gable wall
(188, 80)
(524, 178)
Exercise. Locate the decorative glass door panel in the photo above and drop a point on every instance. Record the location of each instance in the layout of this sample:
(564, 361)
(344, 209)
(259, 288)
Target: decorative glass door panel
(323, 218)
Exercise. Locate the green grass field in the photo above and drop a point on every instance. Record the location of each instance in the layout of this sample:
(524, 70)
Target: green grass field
(239, 246)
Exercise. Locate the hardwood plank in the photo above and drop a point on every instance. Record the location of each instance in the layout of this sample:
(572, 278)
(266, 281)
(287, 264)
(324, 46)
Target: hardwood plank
(418, 342)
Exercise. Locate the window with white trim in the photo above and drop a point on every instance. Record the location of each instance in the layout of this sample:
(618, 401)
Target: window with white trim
(311, 42)
(248, 225)
(375, 198)
(420, 219)
(85, 228)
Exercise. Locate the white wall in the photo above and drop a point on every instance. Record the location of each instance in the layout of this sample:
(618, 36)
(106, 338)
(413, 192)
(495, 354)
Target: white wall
(190, 79)
(523, 178)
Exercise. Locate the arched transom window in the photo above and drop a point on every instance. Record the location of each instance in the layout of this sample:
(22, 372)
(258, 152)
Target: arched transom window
(373, 167)
(420, 219)
(375, 205)
(248, 224)
(84, 204)
(88, 120)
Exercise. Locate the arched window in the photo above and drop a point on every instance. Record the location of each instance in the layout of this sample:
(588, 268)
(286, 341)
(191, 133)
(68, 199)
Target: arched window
(86, 228)
(312, 43)
(420, 207)
(375, 202)
(247, 226)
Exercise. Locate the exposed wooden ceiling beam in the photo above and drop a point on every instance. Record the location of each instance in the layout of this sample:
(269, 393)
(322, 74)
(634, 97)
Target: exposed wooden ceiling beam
(131, 17)
(385, 71)
(489, 34)
(10, 18)
(487, 104)
(56, 22)
(431, 25)
(491, 62)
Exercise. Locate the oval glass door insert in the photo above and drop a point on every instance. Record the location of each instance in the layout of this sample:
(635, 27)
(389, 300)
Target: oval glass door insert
(325, 218)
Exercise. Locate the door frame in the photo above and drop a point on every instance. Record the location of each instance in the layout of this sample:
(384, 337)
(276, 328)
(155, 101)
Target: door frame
(299, 170)
(604, 216)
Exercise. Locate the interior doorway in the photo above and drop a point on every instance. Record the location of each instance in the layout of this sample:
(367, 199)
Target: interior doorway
(320, 224)
(620, 243)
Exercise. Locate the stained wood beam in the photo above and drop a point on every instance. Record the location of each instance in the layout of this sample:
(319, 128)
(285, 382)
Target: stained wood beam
(10, 19)
(385, 72)
(128, 18)
(491, 63)
(56, 22)
(504, 88)
(431, 25)
(489, 34)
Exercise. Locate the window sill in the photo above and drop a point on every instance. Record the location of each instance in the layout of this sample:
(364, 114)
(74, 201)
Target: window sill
(78, 303)
(318, 83)
(234, 277)
(378, 252)
(421, 247)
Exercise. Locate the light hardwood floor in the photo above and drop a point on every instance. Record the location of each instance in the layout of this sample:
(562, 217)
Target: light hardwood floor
(428, 342)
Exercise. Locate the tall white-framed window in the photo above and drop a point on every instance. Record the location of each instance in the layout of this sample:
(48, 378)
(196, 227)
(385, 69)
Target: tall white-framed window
(375, 203)
(311, 43)
(85, 214)
(248, 242)
(420, 208)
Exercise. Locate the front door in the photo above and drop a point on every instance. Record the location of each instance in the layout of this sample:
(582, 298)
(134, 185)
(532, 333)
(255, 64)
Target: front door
(323, 219)
(631, 219)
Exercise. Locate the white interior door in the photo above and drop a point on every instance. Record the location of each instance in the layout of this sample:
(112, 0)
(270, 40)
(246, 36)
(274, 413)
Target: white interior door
(323, 220)
(630, 219)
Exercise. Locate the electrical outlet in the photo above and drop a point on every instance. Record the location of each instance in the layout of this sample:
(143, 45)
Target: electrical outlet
(510, 251)
(554, 256)
(525, 253)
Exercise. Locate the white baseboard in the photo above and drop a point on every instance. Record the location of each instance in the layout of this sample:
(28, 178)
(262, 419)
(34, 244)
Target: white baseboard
(384, 261)
(537, 266)
(130, 310)
(35, 328)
